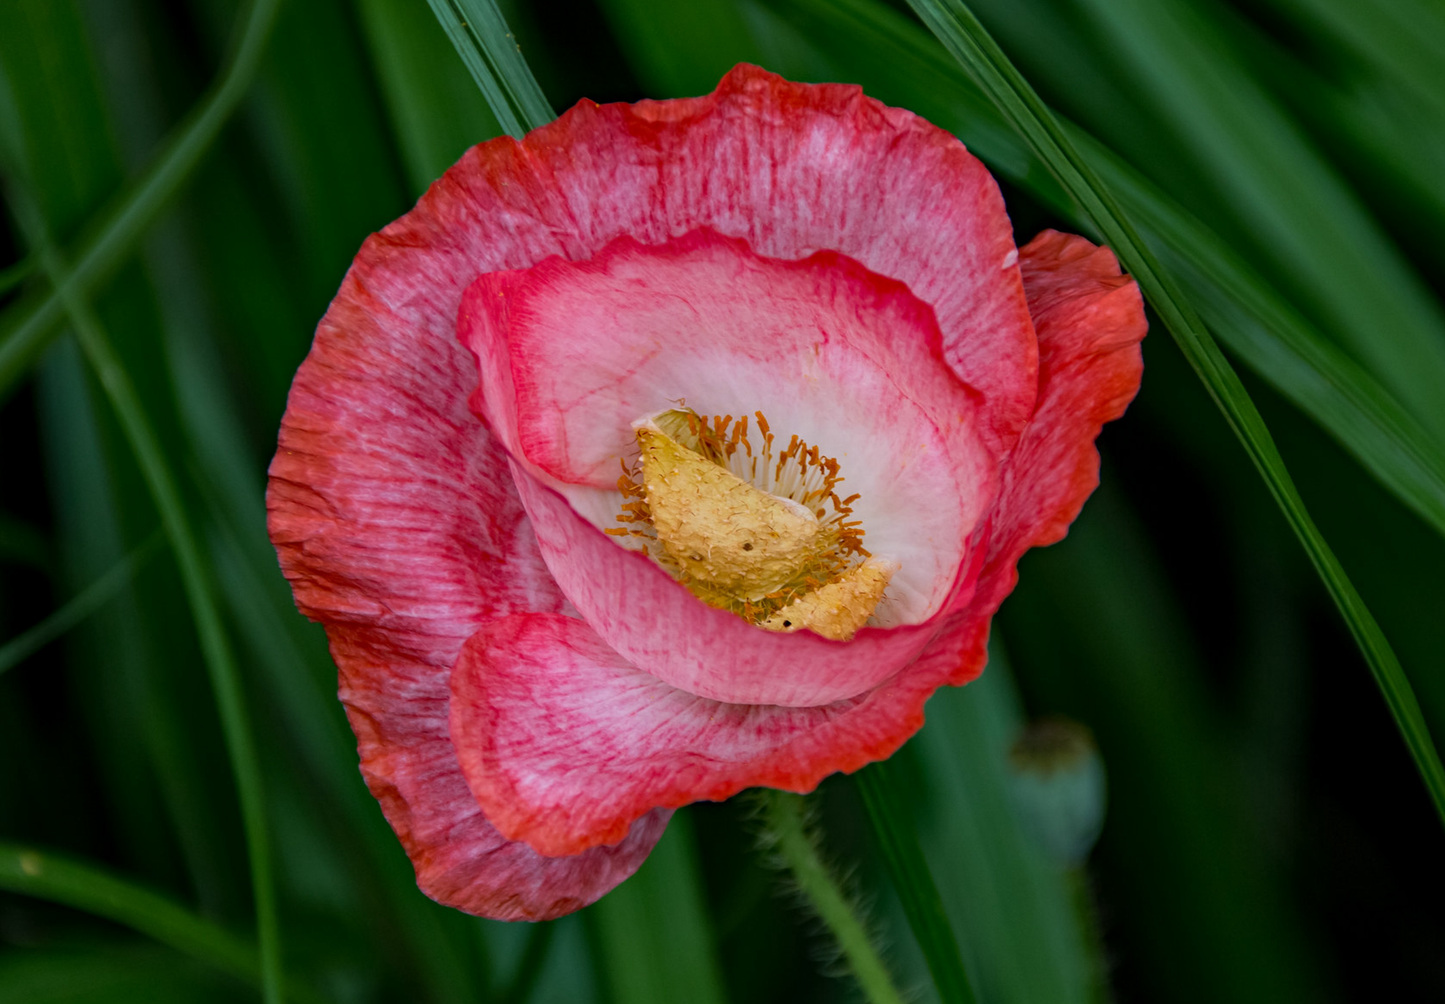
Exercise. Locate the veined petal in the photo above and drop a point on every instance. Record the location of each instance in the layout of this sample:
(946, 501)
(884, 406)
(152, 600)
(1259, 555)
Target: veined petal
(398, 526)
(792, 169)
(1090, 320)
(564, 744)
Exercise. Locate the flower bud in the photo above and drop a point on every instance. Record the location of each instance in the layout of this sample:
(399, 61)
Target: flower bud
(1058, 786)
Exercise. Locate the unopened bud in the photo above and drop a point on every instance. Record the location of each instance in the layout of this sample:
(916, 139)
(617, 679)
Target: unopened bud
(1058, 786)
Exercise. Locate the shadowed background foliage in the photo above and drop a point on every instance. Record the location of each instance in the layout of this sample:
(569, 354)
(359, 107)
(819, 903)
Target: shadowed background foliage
(1267, 837)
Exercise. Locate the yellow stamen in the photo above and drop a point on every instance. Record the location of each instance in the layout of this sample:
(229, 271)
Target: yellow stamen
(718, 528)
(840, 608)
(763, 535)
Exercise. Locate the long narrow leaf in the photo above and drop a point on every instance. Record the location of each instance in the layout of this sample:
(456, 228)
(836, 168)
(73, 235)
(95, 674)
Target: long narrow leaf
(220, 661)
(61, 879)
(965, 37)
(27, 327)
(916, 888)
(486, 45)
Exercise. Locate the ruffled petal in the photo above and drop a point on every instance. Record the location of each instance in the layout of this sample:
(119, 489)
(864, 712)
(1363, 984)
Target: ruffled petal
(571, 354)
(400, 716)
(1090, 321)
(397, 524)
(790, 168)
(565, 743)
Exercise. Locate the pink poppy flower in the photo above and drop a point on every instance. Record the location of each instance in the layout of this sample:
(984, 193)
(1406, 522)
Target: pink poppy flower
(682, 447)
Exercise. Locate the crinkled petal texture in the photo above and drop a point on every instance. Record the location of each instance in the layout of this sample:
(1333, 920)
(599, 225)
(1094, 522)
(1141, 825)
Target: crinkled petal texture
(528, 757)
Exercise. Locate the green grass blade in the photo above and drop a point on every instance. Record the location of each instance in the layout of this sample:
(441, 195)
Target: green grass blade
(61, 879)
(962, 35)
(1405, 38)
(13, 275)
(220, 661)
(1282, 345)
(1307, 228)
(85, 887)
(27, 327)
(435, 109)
(481, 37)
(914, 882)
(91, 599)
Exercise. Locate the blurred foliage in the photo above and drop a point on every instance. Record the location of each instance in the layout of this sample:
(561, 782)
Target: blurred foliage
(1266, 838)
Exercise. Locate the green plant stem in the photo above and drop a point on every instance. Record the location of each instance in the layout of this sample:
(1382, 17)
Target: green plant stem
(30, 324)
(89, 600)
(962, 34)
(914, 882)
(784, 815)
(481, 37)
(216, 649)
(60, 879)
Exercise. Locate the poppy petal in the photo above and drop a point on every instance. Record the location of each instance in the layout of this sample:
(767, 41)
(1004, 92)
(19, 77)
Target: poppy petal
(564, 744)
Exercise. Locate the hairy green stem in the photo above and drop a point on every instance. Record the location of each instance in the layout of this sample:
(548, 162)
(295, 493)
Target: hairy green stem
(914, 883)
(787, 830)
(30, 324)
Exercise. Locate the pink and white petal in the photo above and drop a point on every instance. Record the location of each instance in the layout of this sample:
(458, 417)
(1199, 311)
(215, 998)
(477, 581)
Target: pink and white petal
(1090, 320)
(400, 716)
(396, 521)
(570, 355)
(790, 168)
(565, 745)
(659, 627)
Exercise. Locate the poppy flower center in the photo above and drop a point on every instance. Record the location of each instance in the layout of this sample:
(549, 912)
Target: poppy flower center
(759, 531)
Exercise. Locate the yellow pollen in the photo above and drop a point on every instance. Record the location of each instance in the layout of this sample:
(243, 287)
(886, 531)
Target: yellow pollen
(840, 608)
(762, 534)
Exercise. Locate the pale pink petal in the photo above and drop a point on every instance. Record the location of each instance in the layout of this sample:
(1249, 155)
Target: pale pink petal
(790, 168)
(658, 624)
(572, 354)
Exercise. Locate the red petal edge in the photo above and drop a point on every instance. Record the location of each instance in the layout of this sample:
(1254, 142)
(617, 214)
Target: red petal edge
(564, 743)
